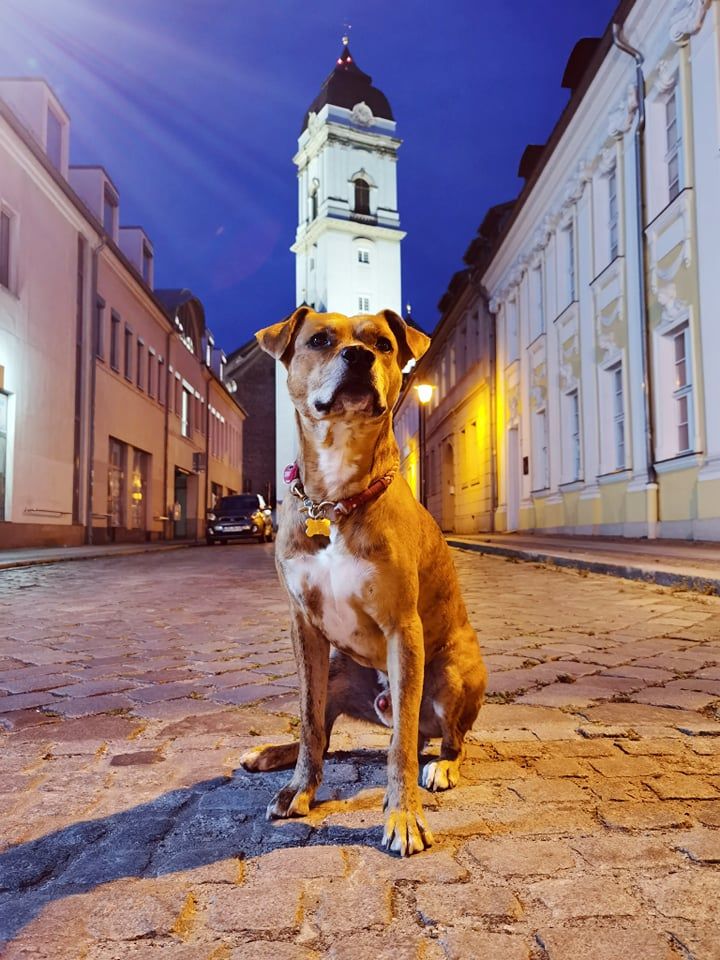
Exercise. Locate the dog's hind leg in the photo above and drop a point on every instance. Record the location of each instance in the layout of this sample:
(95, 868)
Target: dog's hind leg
(351, 690)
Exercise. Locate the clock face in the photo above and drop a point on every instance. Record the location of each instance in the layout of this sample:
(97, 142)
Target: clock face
(362, 114)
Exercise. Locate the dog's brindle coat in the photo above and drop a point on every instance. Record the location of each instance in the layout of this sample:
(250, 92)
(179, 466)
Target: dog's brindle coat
(381, 590)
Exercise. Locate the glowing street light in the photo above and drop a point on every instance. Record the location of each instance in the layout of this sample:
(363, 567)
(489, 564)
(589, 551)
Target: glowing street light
(424, 394)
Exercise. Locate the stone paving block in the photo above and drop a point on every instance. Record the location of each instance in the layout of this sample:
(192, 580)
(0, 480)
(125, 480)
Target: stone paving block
(613, 851)
(637, 815)
(24, 701)
(584, 897)
(561, 767)
(302, 862)
(271, 906)
(546, 790)
(681, 699)
(497, 770)
(92, 688)
(262, 950)
(360, 902)
(89, 706)
(605, 943)
(462, 944)
(680, 787)
(690, 895)
(249, 693)
(38, 681)
(439, 865)
(452, 903)
(625, 766)
(20, 719)
(653, 748)
(399, 941)
(169, 691)
(701, 846)
(507, 856)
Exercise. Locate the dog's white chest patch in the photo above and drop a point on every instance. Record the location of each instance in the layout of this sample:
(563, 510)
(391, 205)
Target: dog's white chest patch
(338, 582)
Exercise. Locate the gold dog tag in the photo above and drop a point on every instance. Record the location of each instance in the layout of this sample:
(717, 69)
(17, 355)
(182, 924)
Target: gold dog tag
(317, 528)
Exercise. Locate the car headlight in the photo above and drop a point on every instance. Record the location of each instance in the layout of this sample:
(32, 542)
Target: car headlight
(211, 516)
(254, 528)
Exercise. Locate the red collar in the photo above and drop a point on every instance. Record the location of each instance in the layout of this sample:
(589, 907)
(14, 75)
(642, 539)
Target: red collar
(291, 476)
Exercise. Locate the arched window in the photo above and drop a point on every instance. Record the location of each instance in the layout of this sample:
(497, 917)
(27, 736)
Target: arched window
(362, 196)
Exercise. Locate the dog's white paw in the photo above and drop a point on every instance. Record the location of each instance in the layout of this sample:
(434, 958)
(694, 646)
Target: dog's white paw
(406, 832)
(291, 801)
(440, 775)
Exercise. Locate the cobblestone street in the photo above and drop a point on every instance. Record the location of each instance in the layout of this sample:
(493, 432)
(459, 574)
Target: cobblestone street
(586, 825)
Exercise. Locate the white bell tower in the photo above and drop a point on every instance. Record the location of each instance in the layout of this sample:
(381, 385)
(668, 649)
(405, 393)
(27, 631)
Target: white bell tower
(347, 245)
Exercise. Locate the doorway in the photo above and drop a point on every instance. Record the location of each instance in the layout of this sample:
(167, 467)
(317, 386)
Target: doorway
(180, 505)
(513, 480)
(447, 515)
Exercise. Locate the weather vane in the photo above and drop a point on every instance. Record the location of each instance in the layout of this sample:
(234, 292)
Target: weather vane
(346, 35)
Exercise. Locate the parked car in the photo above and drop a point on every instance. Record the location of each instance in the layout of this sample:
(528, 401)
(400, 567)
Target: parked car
(242, 516)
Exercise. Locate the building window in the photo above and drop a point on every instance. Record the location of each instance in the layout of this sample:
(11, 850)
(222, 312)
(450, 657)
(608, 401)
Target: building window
(116, 484)
(139, 372)
(100, 328)
(364, 304)
(574, 450)
(160, 383)
(682, 394)
(138, 489)
(114, 341)
(363, 256)
(618, 407)
(128, 353)
(151, 374)
(538, 307)
(512, 331)
(109, 212)
(362, 197)
(186, 412)
(613, 213)
(53, 140)
(540, 451)
(673, 140)
(571, 287)
(147, 264)
(5, 239)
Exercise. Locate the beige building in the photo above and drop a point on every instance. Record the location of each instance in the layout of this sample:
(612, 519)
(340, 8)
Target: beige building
(604, 290)
(115, 422)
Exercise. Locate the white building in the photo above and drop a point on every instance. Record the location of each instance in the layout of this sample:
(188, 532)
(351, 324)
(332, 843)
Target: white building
(347, 246)
(605, 289)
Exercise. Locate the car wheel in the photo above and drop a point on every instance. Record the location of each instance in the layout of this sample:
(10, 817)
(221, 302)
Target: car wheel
(210, 541)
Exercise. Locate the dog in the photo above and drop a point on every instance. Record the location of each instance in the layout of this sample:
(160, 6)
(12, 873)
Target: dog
(379, 628)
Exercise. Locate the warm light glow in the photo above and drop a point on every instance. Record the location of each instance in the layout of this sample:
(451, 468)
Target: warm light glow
(424, 392)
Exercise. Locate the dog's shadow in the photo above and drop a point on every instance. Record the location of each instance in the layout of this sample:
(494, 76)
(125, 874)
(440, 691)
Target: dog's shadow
(186, 828)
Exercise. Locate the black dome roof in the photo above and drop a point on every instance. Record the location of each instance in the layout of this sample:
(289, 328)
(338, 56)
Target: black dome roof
(347, 85)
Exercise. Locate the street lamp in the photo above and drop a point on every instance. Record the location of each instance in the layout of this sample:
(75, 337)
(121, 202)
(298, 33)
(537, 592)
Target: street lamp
(424, 393)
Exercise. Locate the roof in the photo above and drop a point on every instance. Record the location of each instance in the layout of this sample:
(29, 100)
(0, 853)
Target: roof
(345, 86)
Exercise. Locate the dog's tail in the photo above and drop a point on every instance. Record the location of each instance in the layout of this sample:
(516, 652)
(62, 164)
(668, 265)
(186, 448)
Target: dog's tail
(273, 756)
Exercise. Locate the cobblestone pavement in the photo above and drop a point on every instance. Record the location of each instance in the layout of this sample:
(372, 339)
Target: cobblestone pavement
(586, 827)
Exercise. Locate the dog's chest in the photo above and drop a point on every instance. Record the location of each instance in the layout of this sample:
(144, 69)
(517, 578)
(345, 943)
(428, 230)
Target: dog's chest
(331, 586)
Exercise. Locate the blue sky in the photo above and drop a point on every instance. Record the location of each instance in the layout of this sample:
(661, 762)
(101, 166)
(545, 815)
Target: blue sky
(194, 108)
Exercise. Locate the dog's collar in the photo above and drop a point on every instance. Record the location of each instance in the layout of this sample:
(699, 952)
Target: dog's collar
(318, 510)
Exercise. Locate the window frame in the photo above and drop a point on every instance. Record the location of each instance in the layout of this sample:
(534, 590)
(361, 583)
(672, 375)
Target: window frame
(7, 238)
(115, 324)
(673, 150)
(683, 393)
(128, 343)
(613, 211)
(361, 198)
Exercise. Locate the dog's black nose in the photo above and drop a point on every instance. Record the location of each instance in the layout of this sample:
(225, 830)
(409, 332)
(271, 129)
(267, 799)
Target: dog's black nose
(357, 357)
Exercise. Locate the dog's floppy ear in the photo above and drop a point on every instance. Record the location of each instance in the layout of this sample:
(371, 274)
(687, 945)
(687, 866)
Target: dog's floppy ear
(412, 343)
(276, 339)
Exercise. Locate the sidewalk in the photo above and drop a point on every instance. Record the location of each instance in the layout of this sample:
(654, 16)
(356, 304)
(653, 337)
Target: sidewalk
(685, 564)
(33, 556)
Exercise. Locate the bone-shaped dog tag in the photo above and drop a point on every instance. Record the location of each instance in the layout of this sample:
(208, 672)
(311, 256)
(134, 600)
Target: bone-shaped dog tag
(317, 528)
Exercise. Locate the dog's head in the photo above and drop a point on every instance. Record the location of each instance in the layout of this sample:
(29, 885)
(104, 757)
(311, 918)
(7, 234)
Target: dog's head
(341, 367)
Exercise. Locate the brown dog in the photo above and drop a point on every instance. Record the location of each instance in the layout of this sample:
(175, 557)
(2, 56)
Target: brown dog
(367, 571)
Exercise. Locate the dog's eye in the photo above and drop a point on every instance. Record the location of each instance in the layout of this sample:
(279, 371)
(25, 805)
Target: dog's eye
(383, 345)
(319, 340)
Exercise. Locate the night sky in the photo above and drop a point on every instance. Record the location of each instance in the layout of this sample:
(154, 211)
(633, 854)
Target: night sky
(194, 108)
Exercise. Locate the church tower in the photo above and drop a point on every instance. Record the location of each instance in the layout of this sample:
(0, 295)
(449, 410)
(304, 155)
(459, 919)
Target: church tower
(347, 245)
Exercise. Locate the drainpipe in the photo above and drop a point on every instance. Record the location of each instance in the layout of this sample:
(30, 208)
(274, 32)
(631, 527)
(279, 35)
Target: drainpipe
(93, 380)
(203, 518)
(652, 505)
(492, 368)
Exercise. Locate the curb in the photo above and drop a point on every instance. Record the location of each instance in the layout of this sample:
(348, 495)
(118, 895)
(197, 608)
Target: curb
(44, 561)
(663, 578)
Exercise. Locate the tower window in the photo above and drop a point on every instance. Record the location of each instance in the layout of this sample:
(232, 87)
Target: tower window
(363, 256)
(362, 196)
(364, 303)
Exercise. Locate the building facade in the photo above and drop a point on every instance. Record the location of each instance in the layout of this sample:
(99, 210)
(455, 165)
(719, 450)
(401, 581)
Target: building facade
(114, 420)
(347, 245)
(604, 291)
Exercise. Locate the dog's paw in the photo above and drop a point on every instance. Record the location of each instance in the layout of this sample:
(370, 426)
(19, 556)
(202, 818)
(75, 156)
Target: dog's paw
(272, 756)
(291, 801)
(440, 775)
(406, 832)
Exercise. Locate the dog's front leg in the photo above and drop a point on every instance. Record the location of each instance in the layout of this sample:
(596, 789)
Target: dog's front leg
(312, 657)
(406, 831)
